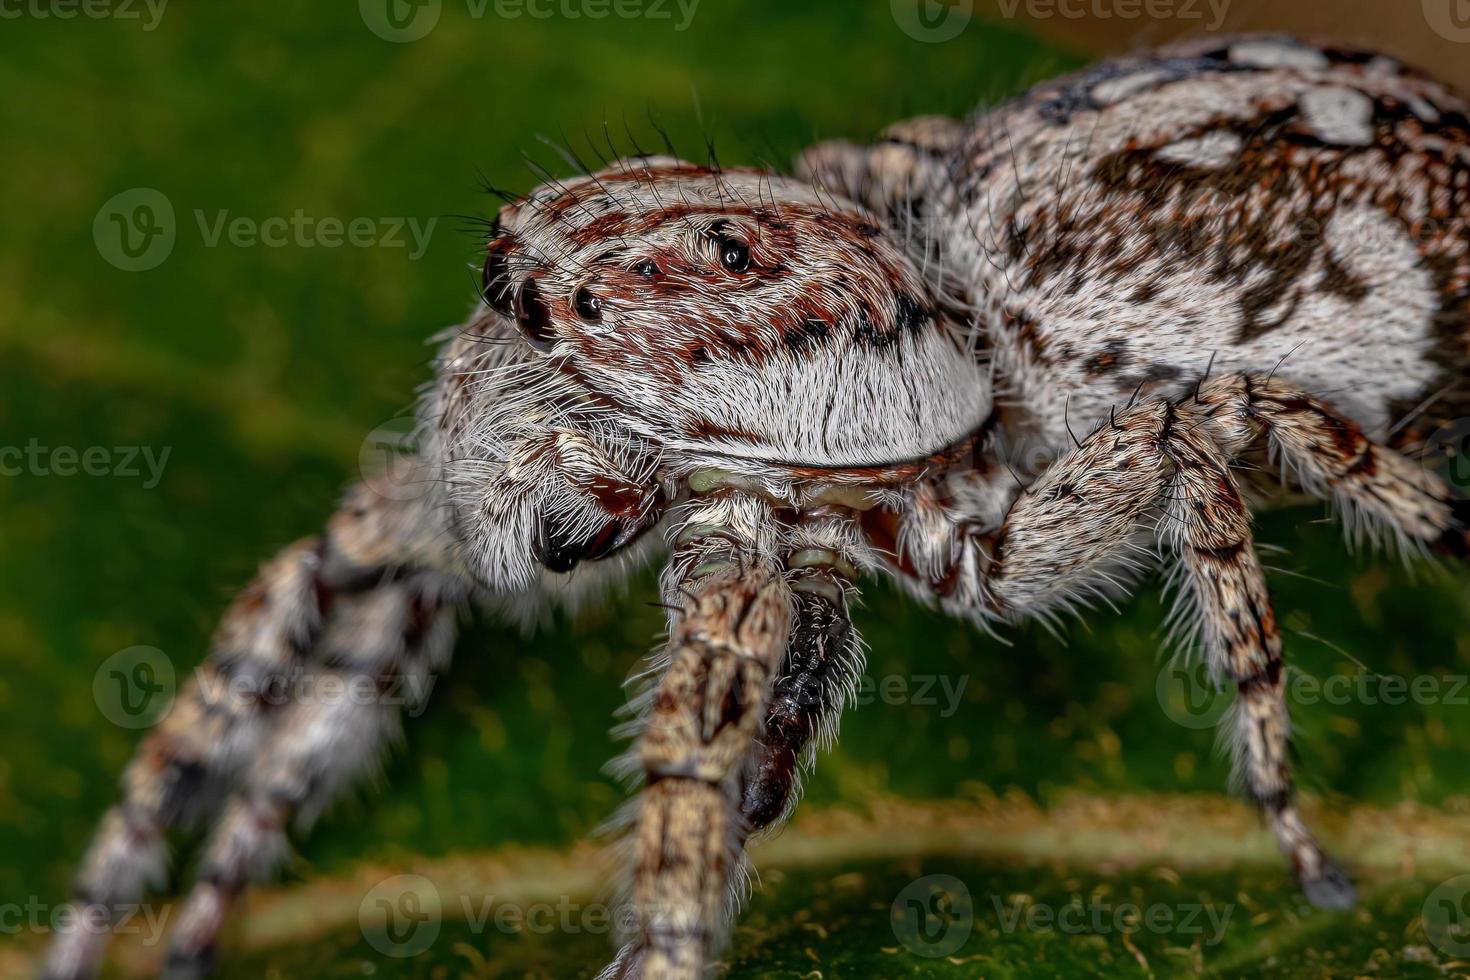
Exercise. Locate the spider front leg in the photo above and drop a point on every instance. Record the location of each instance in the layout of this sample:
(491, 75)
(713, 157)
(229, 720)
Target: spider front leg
(818, 677)
(726, 641)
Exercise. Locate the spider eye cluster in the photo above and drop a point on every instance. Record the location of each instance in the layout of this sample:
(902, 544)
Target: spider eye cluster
(523, 297)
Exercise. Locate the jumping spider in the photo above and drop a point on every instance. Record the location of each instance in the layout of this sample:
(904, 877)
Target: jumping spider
(1234, 250)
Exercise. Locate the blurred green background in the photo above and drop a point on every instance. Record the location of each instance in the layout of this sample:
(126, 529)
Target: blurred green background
(262, 369)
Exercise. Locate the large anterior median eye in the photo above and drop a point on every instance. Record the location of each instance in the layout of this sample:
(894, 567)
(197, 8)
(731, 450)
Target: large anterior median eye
(533, 316)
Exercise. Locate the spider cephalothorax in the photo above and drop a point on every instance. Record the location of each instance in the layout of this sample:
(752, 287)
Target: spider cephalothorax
(782, 390)
(681, 318)
(701, 307)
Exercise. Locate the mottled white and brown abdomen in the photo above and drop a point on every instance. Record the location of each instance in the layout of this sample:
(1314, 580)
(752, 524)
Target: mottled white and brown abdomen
(1258, 202)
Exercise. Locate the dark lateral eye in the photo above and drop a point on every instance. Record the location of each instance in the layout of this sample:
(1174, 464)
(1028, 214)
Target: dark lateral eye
(533, 316)
(734, 255)
(588, 305)
(496, 288)
(646, 268)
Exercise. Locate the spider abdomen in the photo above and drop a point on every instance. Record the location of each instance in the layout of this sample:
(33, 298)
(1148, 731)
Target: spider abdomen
(1259, 203)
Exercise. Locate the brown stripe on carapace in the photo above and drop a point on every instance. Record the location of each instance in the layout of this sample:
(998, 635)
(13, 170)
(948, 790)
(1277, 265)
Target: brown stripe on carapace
(777, 222)
(614, 224)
